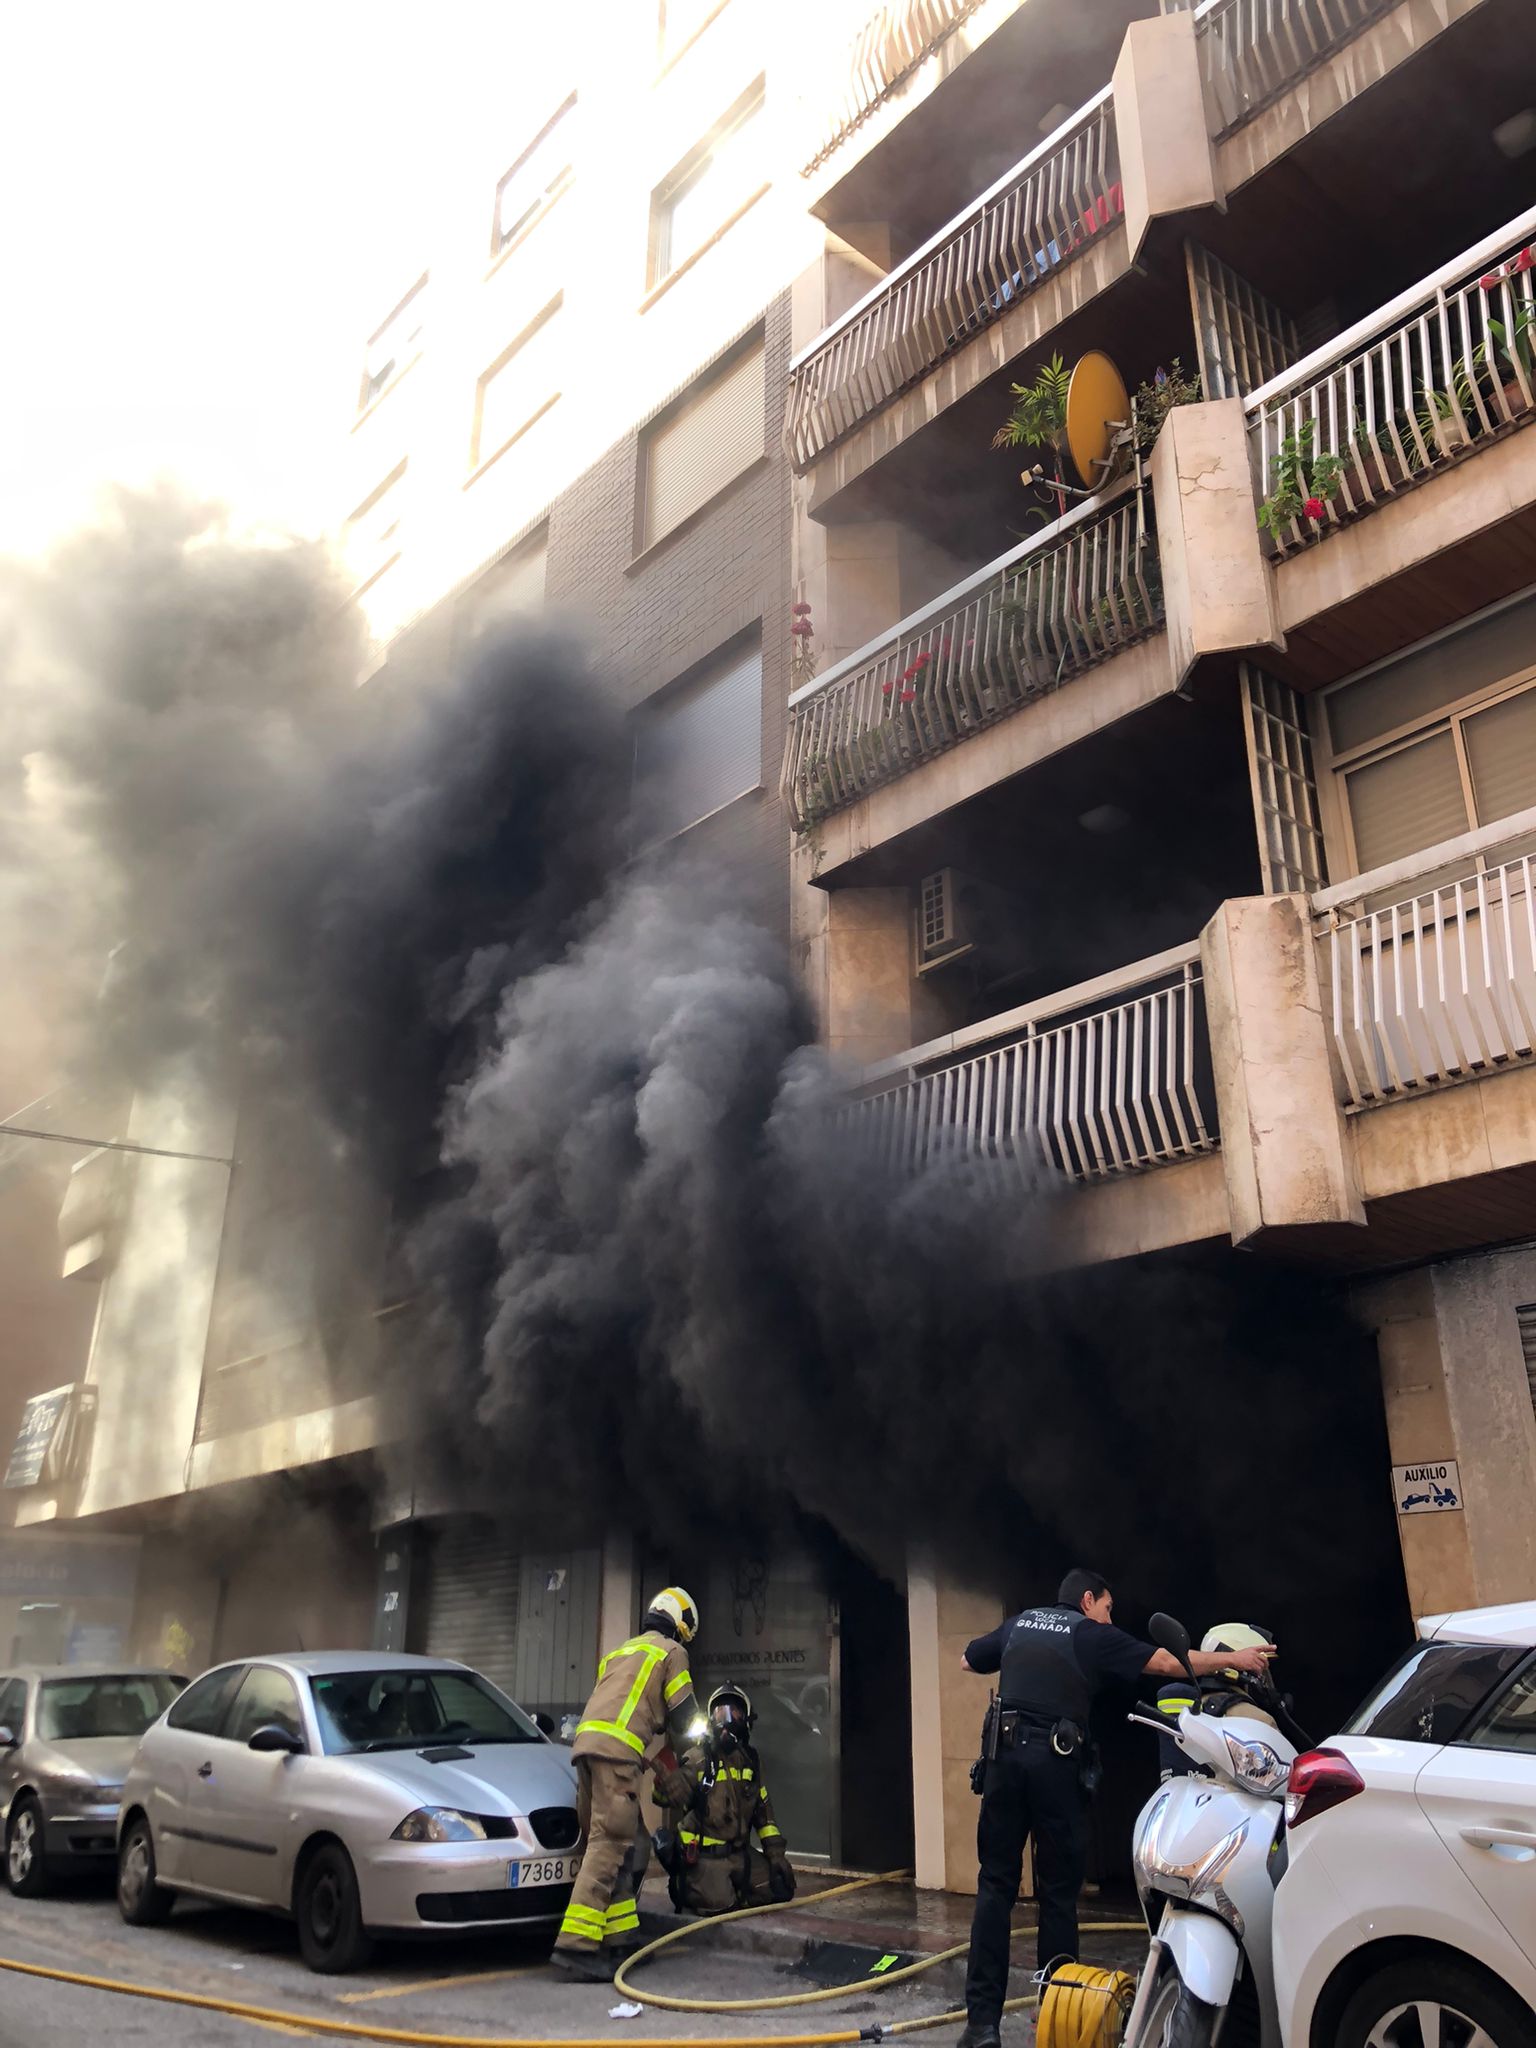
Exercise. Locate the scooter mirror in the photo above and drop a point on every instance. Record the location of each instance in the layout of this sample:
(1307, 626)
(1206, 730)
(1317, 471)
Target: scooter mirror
(1170, 1635)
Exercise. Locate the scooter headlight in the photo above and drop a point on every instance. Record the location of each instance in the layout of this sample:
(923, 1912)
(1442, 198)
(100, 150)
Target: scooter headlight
(1200, 1879)
(1256, 1765)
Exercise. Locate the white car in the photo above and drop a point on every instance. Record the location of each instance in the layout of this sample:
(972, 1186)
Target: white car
(359, 1792)
(1406, 1916)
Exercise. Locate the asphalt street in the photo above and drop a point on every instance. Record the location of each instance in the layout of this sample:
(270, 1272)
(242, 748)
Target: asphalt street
(496, 1985)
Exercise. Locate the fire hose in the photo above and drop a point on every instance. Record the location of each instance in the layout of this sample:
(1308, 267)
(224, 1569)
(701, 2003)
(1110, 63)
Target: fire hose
(1084, 2021)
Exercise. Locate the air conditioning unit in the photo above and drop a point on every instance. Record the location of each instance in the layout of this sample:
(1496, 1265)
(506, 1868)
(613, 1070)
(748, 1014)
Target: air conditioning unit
(943, 928)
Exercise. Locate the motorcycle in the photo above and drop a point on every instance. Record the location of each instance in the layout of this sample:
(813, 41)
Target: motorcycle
(1208, 1851)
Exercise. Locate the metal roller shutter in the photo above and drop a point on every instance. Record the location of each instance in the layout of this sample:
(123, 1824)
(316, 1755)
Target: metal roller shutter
(472, 1604)
(711, 438)
(701, 745)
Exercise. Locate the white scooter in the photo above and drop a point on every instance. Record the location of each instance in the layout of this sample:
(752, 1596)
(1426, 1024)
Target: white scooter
(1208, 1851)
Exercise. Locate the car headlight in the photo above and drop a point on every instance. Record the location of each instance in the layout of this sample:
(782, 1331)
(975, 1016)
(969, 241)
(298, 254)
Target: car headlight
(1256, 1764)
(1200, 1879)
(439, 1824)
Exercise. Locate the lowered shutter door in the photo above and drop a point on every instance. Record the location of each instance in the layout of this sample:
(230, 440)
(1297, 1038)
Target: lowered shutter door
(1527, 1316)
(709, 441)
(472, 1605)
(557, 1647)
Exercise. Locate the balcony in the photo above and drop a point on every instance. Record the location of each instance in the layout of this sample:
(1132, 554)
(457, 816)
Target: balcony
(1108, 1078)
(1058, 201)
(1061, 603)
(1429, 379)
(896, 39)
(1253, 51)
(1437, 986)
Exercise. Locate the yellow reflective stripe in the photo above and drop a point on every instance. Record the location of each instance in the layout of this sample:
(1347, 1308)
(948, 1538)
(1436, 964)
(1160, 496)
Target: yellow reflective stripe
(612, 1728)
(648, 1664)
(765, 1834)
(623, 1916)
(762, 1791)
(704, 1841)
(682, 1683)
(586, 1921)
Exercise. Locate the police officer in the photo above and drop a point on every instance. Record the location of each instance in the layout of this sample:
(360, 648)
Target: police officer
(710, 1860)
(644, 1688)
(1052, 1661)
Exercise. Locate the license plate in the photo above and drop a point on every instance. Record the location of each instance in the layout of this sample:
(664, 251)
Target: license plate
(539, 1870)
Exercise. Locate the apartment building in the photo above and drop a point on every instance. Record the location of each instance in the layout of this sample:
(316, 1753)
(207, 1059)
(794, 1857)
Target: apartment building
(1162, 826)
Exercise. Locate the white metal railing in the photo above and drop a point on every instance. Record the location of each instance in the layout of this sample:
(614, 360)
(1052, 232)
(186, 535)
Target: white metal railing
(1066, 599)
(1252, 50)
(1437, 986)
(1037, 217)
(888, 48)
(1123, 1087)
(1420, 383)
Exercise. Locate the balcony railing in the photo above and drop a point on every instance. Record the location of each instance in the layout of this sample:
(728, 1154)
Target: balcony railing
(1421, 383)
(1035, 219)
(1437, 986)
(888, 48)
(1252, 50)
(1120, 1086)
(1067, 599)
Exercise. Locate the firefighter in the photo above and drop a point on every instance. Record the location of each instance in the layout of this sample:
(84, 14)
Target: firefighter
(711, 1863)
(644, 1688)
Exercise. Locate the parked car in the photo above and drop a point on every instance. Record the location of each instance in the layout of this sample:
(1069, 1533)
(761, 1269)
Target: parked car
(67, 1736)
(1406, 1917)
(359, 1793)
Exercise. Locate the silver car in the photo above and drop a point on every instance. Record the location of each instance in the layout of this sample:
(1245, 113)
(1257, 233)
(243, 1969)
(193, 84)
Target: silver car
(67, 1736)
(360, 1793)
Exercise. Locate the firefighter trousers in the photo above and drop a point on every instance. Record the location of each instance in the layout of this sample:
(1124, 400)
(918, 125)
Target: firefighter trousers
(603, 1912)
(722, 1883)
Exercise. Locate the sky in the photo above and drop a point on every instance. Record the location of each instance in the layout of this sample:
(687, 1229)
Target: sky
(208, 207)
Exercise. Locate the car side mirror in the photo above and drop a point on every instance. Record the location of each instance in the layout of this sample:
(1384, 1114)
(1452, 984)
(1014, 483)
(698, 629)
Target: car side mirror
(9, 1739)
(272, 1740)
(544, 1723)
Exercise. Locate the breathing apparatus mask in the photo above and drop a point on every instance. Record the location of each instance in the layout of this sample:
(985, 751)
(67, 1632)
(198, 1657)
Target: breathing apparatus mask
(730, 1718)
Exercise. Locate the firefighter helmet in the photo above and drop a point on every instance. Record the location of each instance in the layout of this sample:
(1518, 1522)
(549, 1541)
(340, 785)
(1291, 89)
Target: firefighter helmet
(1236, 1635)
(722, 1693)
(679, 1609)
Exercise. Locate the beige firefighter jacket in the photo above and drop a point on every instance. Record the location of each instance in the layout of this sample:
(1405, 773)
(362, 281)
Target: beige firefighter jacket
(642, 1687)
(736, 1805)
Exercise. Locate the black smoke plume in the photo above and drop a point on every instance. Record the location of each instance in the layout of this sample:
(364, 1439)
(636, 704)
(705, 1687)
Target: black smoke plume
(646, 1266)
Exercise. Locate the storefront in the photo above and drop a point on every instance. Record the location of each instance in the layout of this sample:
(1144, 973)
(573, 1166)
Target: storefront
(66, 1599)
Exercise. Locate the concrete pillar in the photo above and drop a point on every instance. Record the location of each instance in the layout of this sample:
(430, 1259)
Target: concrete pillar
(854, 947)
(618, 1602)
(837, 280)
(947, 1708)
(1218, 589)
(1167, 164)
(1286, 1152)
(1454, 1383)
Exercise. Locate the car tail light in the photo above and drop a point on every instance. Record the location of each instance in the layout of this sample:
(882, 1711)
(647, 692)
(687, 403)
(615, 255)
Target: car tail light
(1319, 1779)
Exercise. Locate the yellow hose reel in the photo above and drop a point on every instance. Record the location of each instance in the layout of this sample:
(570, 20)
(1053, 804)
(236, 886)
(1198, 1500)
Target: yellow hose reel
(1083, 2007)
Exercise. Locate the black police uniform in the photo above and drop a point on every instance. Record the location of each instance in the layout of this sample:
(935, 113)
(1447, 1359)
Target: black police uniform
(1053, 1661)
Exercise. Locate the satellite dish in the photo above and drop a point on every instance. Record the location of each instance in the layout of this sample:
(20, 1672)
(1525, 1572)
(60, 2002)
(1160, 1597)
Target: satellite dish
(1098, 410)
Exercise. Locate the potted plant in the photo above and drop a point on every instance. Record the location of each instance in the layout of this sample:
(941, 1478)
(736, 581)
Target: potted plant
(1303, 483)
(1039, 417)
(1153, 402)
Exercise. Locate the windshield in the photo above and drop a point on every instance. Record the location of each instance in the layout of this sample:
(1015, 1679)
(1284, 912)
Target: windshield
(360, 1711)
(1432, 1690)
(76, 1709)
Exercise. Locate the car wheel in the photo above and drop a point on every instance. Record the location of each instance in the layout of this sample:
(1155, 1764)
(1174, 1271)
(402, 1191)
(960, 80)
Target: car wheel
(140, 1899)
(1176, 2018)
(332, 1937)
(1429, 2003)
(26, 1866)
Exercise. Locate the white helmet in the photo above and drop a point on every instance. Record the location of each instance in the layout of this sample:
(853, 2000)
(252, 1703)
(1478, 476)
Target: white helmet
(679, 1609)
(1236, 1635)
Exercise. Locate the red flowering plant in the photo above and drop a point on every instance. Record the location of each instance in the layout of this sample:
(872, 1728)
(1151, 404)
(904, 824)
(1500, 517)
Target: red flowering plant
(802, 652)
(1303, 483)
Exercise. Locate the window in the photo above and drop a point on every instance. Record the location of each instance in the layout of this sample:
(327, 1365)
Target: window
(200, 1710)
(537, 179)
(1510, 1723)
(75, 1709)
(1438, 741)
(702, 444)
(266, 1700)
(700, 745)
(509, 589)
(519, 387)
(1431, 1691)
(13, 1707)
(395, 346)
(371, 538)
(401, 1709)
(709, 187)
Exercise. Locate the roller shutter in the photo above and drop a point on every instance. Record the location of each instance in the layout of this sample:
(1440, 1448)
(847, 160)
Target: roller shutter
(472, 1601)
(708, 441)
